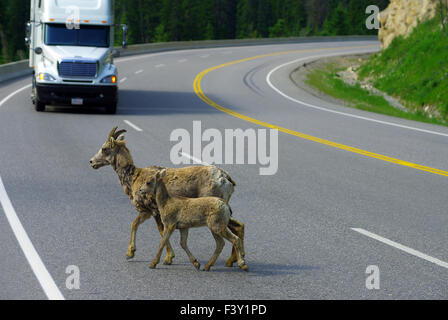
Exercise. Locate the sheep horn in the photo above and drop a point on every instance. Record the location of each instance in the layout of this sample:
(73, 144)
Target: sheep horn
(117, 134)
(112, 133)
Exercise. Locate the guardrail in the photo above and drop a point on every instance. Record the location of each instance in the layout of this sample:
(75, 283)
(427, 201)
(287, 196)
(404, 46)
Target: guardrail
(17, 69)
(14, 70)
(203, 44)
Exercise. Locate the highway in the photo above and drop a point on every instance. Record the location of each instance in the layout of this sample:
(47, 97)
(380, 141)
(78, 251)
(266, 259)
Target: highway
(353, 189)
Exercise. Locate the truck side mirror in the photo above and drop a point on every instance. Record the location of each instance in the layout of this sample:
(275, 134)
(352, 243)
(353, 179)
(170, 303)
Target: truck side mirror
(124, 43)
(38, 50)
(28, 34)
(115, 53)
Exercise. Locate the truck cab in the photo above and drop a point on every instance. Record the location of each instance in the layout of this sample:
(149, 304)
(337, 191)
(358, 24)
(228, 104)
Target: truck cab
(72, 53)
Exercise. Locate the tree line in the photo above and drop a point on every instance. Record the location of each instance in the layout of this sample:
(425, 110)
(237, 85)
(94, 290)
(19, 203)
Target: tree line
(176, 20)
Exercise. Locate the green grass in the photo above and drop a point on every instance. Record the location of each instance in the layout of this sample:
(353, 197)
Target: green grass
(414, 69)
(326, 81)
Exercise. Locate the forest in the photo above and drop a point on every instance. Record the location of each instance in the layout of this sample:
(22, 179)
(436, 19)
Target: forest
(183, 20)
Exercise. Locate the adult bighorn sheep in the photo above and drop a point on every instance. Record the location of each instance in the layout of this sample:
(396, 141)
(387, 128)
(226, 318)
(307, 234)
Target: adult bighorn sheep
(184, 213)
(191, 182)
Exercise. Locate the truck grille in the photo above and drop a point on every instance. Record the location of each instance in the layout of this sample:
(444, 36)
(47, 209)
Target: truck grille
(81, 69)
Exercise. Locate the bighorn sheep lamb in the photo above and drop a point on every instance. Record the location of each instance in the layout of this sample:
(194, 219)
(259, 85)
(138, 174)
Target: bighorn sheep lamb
(184, 213)
(192, 182)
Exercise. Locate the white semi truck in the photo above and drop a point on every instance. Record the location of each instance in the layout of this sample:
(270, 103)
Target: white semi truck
(71, 52)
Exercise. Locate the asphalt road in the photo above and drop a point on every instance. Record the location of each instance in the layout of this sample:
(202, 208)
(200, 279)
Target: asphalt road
(300, 238)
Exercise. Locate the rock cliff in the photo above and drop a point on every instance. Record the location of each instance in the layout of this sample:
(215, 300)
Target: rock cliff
(402, 16)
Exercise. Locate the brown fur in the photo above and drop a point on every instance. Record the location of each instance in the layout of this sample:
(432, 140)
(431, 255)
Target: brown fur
(192, 182)
(184, 213)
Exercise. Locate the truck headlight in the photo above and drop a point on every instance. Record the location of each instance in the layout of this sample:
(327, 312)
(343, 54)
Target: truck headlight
(109, 79)
(46, 77)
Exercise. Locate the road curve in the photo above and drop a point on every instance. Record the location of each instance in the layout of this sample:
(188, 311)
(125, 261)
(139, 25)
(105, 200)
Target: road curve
(312, 229)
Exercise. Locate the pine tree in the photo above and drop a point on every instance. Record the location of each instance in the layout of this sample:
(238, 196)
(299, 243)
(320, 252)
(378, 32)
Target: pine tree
(278, 30)
(160, 35)
(295, 17)
(17, 13)
(356, 16)
(244, 21)
(338, 22)
(173, 20)
(209, 32)
(224, 19)
(263, 18)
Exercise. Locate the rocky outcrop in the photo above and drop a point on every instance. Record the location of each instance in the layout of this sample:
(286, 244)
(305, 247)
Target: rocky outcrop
(402, 16)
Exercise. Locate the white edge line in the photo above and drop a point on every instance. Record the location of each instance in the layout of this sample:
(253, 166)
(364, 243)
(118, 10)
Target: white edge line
(43, 276)
(198, 161)
(138, 71)
(402, 247)
(14, 93)
(129, 123)
(268, 80)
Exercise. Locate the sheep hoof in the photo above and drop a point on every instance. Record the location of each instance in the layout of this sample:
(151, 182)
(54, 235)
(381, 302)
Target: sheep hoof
(244, 267)
(168, 261)
(153, 265)
(207, 268)
(197, 265)
(130, 254)
(229, 263)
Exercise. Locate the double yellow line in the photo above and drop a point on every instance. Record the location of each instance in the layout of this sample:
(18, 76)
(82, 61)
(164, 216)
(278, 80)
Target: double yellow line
(202, 96)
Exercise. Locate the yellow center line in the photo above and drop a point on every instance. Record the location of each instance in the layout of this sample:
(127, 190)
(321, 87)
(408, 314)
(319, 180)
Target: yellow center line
(202, 96)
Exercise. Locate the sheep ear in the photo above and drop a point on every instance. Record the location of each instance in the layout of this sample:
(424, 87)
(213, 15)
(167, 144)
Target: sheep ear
(120, 138)
(162, 173)
(112, 142)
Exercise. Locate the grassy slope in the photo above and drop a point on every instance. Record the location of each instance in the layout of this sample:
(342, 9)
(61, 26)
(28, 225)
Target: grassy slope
(414, 69)
(326, 81)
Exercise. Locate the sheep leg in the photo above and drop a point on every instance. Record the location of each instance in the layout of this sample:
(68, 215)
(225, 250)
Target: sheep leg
(142, 217)
(237, 229)
(237, 243)
(183, 244)
(169, 250)
(219, 246)
(165, 240)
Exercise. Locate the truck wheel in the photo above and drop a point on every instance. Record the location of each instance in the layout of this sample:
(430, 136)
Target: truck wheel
(38, 106)
(112, 108)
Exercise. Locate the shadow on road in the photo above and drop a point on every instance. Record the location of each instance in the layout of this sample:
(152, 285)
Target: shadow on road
(136, 102)
(258, 269)
(261, 269)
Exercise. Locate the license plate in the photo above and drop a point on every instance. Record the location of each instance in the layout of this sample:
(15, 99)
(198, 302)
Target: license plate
(77, 101)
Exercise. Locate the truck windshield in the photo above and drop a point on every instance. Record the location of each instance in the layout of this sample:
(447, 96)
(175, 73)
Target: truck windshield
(89, 36)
